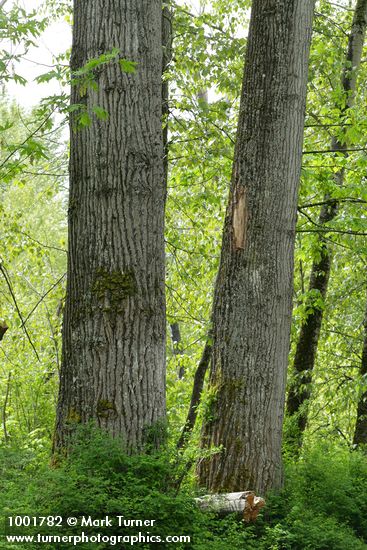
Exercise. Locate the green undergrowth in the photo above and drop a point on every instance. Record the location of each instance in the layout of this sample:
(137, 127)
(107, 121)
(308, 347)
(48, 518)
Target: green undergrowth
(323, 504)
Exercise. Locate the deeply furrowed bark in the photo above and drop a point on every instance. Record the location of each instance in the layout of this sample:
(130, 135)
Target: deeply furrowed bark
(306, 350)
(113, 365)
(253, 294)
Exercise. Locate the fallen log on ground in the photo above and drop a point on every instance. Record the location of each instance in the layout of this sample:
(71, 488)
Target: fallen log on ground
(245, 503)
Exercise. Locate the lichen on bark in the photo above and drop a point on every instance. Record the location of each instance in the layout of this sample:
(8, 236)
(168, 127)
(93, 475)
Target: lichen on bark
(73, 416)
(105, 408)
(115, 286)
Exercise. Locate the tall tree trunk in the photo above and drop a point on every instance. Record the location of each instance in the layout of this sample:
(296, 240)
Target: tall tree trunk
(305, 356)
(166, 58)
(360, 432)
(253, 295)
(113, 363)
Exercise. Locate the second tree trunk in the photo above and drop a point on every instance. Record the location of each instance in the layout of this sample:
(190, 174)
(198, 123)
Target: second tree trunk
(253, 295)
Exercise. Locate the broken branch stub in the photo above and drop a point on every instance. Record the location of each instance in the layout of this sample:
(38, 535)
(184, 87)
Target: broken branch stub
(3, 329)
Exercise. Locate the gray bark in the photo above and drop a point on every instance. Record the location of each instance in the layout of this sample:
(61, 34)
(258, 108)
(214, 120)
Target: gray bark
(113, 362)
(253, 296)
(306, 350)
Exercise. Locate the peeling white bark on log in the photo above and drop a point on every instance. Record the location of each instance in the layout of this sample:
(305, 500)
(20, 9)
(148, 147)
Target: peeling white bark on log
(245, 503)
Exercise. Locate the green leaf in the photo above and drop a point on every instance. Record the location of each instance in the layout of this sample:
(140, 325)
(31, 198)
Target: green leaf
(128, 66)
(19, 79)
(84, 119)
(46, 77)
(100, 113)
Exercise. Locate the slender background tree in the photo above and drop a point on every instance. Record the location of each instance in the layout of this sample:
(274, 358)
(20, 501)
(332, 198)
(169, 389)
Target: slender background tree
(360, 432)
(306, 350)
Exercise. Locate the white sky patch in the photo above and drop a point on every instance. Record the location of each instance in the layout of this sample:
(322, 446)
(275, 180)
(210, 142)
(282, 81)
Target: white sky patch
(54, 41)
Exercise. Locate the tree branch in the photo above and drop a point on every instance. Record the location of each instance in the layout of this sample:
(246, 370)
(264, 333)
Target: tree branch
(333, 151)
(330, 201)
(41, 299)
(8, 284)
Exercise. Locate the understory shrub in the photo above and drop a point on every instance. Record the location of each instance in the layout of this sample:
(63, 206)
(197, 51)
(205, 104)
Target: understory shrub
(322, 506)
